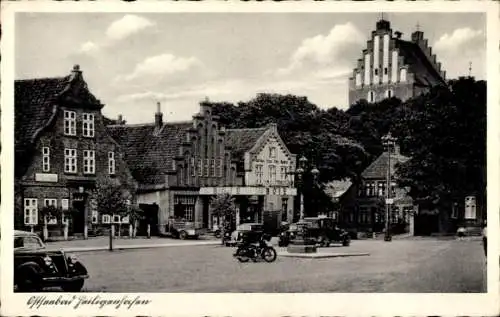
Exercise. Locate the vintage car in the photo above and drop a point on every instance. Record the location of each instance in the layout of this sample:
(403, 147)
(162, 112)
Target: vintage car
(319, 230)
(251, 230)
(36, 268)
(182, 229)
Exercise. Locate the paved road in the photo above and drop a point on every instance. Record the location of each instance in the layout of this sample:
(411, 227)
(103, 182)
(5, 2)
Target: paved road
(398, 266)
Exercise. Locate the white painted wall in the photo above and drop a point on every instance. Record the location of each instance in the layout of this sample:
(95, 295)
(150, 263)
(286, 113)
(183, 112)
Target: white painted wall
(385, 59)
(367, 69)
(395, 67)
(376, 59)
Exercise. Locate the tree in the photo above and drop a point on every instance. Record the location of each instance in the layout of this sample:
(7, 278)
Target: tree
(444, 134)
(112, 198)
(135, 214)
(224, 208)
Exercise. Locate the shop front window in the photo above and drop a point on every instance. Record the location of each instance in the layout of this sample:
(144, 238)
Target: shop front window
(184, 207)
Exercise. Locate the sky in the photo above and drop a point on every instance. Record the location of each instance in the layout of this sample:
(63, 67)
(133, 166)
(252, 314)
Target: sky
(131, 61)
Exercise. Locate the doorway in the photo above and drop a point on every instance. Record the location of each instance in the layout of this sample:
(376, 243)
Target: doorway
(78, 216)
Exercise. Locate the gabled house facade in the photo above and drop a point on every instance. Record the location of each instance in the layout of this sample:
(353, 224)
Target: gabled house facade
(62, 151)
(393, 67)
(371, 204)
(180, 166)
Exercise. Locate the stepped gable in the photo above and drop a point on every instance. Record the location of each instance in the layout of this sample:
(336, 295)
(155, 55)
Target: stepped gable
(150, 153)
(419, 64)
(242, 140)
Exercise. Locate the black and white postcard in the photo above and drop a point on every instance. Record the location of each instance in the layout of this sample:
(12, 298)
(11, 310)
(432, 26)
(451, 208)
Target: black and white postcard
(227, 159)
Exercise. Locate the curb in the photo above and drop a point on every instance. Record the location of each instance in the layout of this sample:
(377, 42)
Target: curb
(131, 247)
(321, 255)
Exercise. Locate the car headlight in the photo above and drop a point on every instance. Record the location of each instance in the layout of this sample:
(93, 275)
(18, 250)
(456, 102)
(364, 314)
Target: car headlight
(72, 259)
(48, 260)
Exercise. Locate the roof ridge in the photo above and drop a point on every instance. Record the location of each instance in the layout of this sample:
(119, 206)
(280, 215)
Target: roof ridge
(40, 78)
(132, 125)
(152, 124)
(241, 129)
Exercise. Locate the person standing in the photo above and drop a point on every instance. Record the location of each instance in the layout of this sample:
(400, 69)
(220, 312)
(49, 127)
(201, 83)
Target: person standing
(485, 239)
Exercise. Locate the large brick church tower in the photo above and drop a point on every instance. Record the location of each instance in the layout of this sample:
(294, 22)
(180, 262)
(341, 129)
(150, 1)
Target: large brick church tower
(393, 67)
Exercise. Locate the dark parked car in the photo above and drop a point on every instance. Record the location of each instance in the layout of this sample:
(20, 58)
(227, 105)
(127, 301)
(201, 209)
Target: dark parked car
(320, 230)
(36, 268)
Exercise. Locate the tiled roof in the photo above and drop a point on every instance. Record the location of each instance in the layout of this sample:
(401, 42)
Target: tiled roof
(378, 168)
(425, 74)
(337, 188)
(150, 155)
(34, 101)
(242, 140)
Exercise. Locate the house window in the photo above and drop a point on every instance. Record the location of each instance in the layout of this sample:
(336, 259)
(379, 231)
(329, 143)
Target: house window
(219, 167)
(65, 204)
(272, 152)
(95, 217)
(88, 125)
(193, 167)
(272, 174)
(184, 207)
(385, 71)
(116, 218)
(402, 75)
(376, 71)
(30, 211)
(70, 160)
(69, 122)
(370, 189)
(89, 162)
(207, 167)
(371, 96)
(111, 163)
(395, 215)
(389, 93)
(381, 189)
(363, 216)
(50, 202)
(258, 173)
(46, 159)
(200, 167)
(212, 162)
(283, 173)
(284, 209)
(106, 219)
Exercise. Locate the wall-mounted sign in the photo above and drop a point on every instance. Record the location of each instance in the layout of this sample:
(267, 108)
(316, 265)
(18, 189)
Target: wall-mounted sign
(44, 177)
(249, 191)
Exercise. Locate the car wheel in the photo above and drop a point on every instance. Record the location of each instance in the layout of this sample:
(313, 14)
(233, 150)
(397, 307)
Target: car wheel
(29, 281)
(74, 286)
(183, 235)
(217, 234)
(346, 242)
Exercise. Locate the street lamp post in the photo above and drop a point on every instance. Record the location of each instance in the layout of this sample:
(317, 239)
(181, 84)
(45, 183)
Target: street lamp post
(388, 141)
(300, 174)
(301, 244)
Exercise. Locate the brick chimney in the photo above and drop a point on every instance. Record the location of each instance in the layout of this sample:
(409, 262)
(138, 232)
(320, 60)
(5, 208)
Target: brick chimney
(120, 119)
(158, 116)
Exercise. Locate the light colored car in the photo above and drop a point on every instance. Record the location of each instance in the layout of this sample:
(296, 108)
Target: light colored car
(244, 227)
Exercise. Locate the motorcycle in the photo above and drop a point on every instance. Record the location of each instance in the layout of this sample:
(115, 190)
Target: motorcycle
(253, 251)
